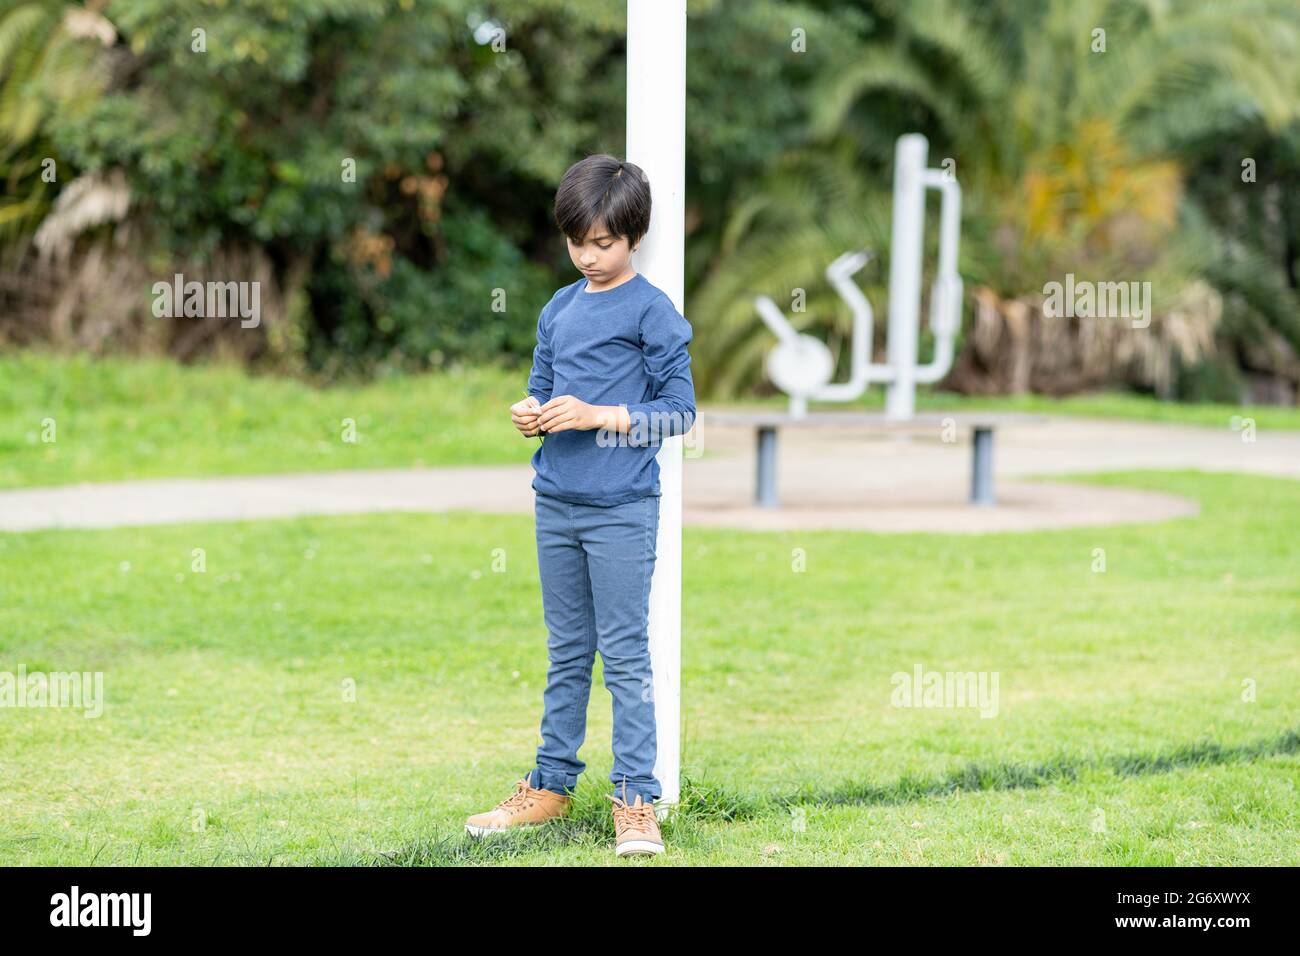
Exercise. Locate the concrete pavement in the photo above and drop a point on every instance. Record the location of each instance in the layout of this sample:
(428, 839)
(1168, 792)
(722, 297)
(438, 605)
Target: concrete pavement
(829, 477)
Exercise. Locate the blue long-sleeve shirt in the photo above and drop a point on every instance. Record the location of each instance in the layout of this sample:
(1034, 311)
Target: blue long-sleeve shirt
(624, 346)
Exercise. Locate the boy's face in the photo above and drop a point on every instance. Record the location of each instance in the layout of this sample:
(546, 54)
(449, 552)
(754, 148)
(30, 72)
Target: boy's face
(600, 256)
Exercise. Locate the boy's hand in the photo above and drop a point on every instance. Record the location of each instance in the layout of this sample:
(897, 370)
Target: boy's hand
(524, 414)
(564, 412)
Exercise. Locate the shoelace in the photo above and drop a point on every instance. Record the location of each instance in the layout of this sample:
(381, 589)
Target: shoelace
(518, 798)
(626, 814)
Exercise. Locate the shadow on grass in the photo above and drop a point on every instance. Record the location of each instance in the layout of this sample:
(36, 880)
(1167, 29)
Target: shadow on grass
(590, 824)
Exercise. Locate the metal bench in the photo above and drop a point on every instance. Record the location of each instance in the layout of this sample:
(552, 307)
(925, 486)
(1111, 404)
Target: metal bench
(766, 423)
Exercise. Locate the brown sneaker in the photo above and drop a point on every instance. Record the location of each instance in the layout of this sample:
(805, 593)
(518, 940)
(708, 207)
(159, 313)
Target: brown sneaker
(528, 806)
(636, 830)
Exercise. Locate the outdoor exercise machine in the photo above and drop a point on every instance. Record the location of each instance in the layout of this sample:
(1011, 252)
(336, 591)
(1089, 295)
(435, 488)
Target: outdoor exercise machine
(802, 366)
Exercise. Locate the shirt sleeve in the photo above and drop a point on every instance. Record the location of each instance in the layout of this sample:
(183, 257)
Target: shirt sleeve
(665, 334)
(540, 381)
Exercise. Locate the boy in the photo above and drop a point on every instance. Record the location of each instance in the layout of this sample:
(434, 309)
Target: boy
(611, 379)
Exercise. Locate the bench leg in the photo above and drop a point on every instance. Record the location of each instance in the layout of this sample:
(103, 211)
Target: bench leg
(765, 492)
(981, 474)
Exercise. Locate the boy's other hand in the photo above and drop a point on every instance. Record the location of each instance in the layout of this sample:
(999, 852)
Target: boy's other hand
(524, 414)
(564, 412)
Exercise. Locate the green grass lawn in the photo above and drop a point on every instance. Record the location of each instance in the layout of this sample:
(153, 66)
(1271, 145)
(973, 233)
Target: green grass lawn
(1121, 734)
(115, 419)
(1101, 405)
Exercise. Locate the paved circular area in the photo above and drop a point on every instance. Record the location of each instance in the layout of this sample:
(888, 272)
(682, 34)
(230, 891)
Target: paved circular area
(827, 478)
(1020, 506)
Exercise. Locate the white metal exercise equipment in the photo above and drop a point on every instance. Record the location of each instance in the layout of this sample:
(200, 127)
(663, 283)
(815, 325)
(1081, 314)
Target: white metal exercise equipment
(802, 366)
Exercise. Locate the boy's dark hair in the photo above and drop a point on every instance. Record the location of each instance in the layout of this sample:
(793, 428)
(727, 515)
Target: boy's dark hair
(602, 189)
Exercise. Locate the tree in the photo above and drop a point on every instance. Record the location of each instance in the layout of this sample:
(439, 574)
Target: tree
(47, 64)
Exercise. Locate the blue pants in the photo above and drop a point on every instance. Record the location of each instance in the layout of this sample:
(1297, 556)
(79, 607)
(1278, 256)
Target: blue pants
(595, 565)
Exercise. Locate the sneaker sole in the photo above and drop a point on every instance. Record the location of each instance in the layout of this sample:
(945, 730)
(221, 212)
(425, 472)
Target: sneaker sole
(474, 830)
(643, 847)
(484, 831)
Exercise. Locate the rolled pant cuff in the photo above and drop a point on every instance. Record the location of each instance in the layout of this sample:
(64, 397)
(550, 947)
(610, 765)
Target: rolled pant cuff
(650, 791)
(555, 782)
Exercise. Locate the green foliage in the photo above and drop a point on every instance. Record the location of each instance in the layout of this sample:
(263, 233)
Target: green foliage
(241, 124)
(459, 120)
(45, 69)
(415, 317)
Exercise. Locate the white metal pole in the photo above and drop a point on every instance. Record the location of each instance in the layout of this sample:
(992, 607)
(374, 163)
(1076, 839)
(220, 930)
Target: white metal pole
(905, 273)
(656, 141)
